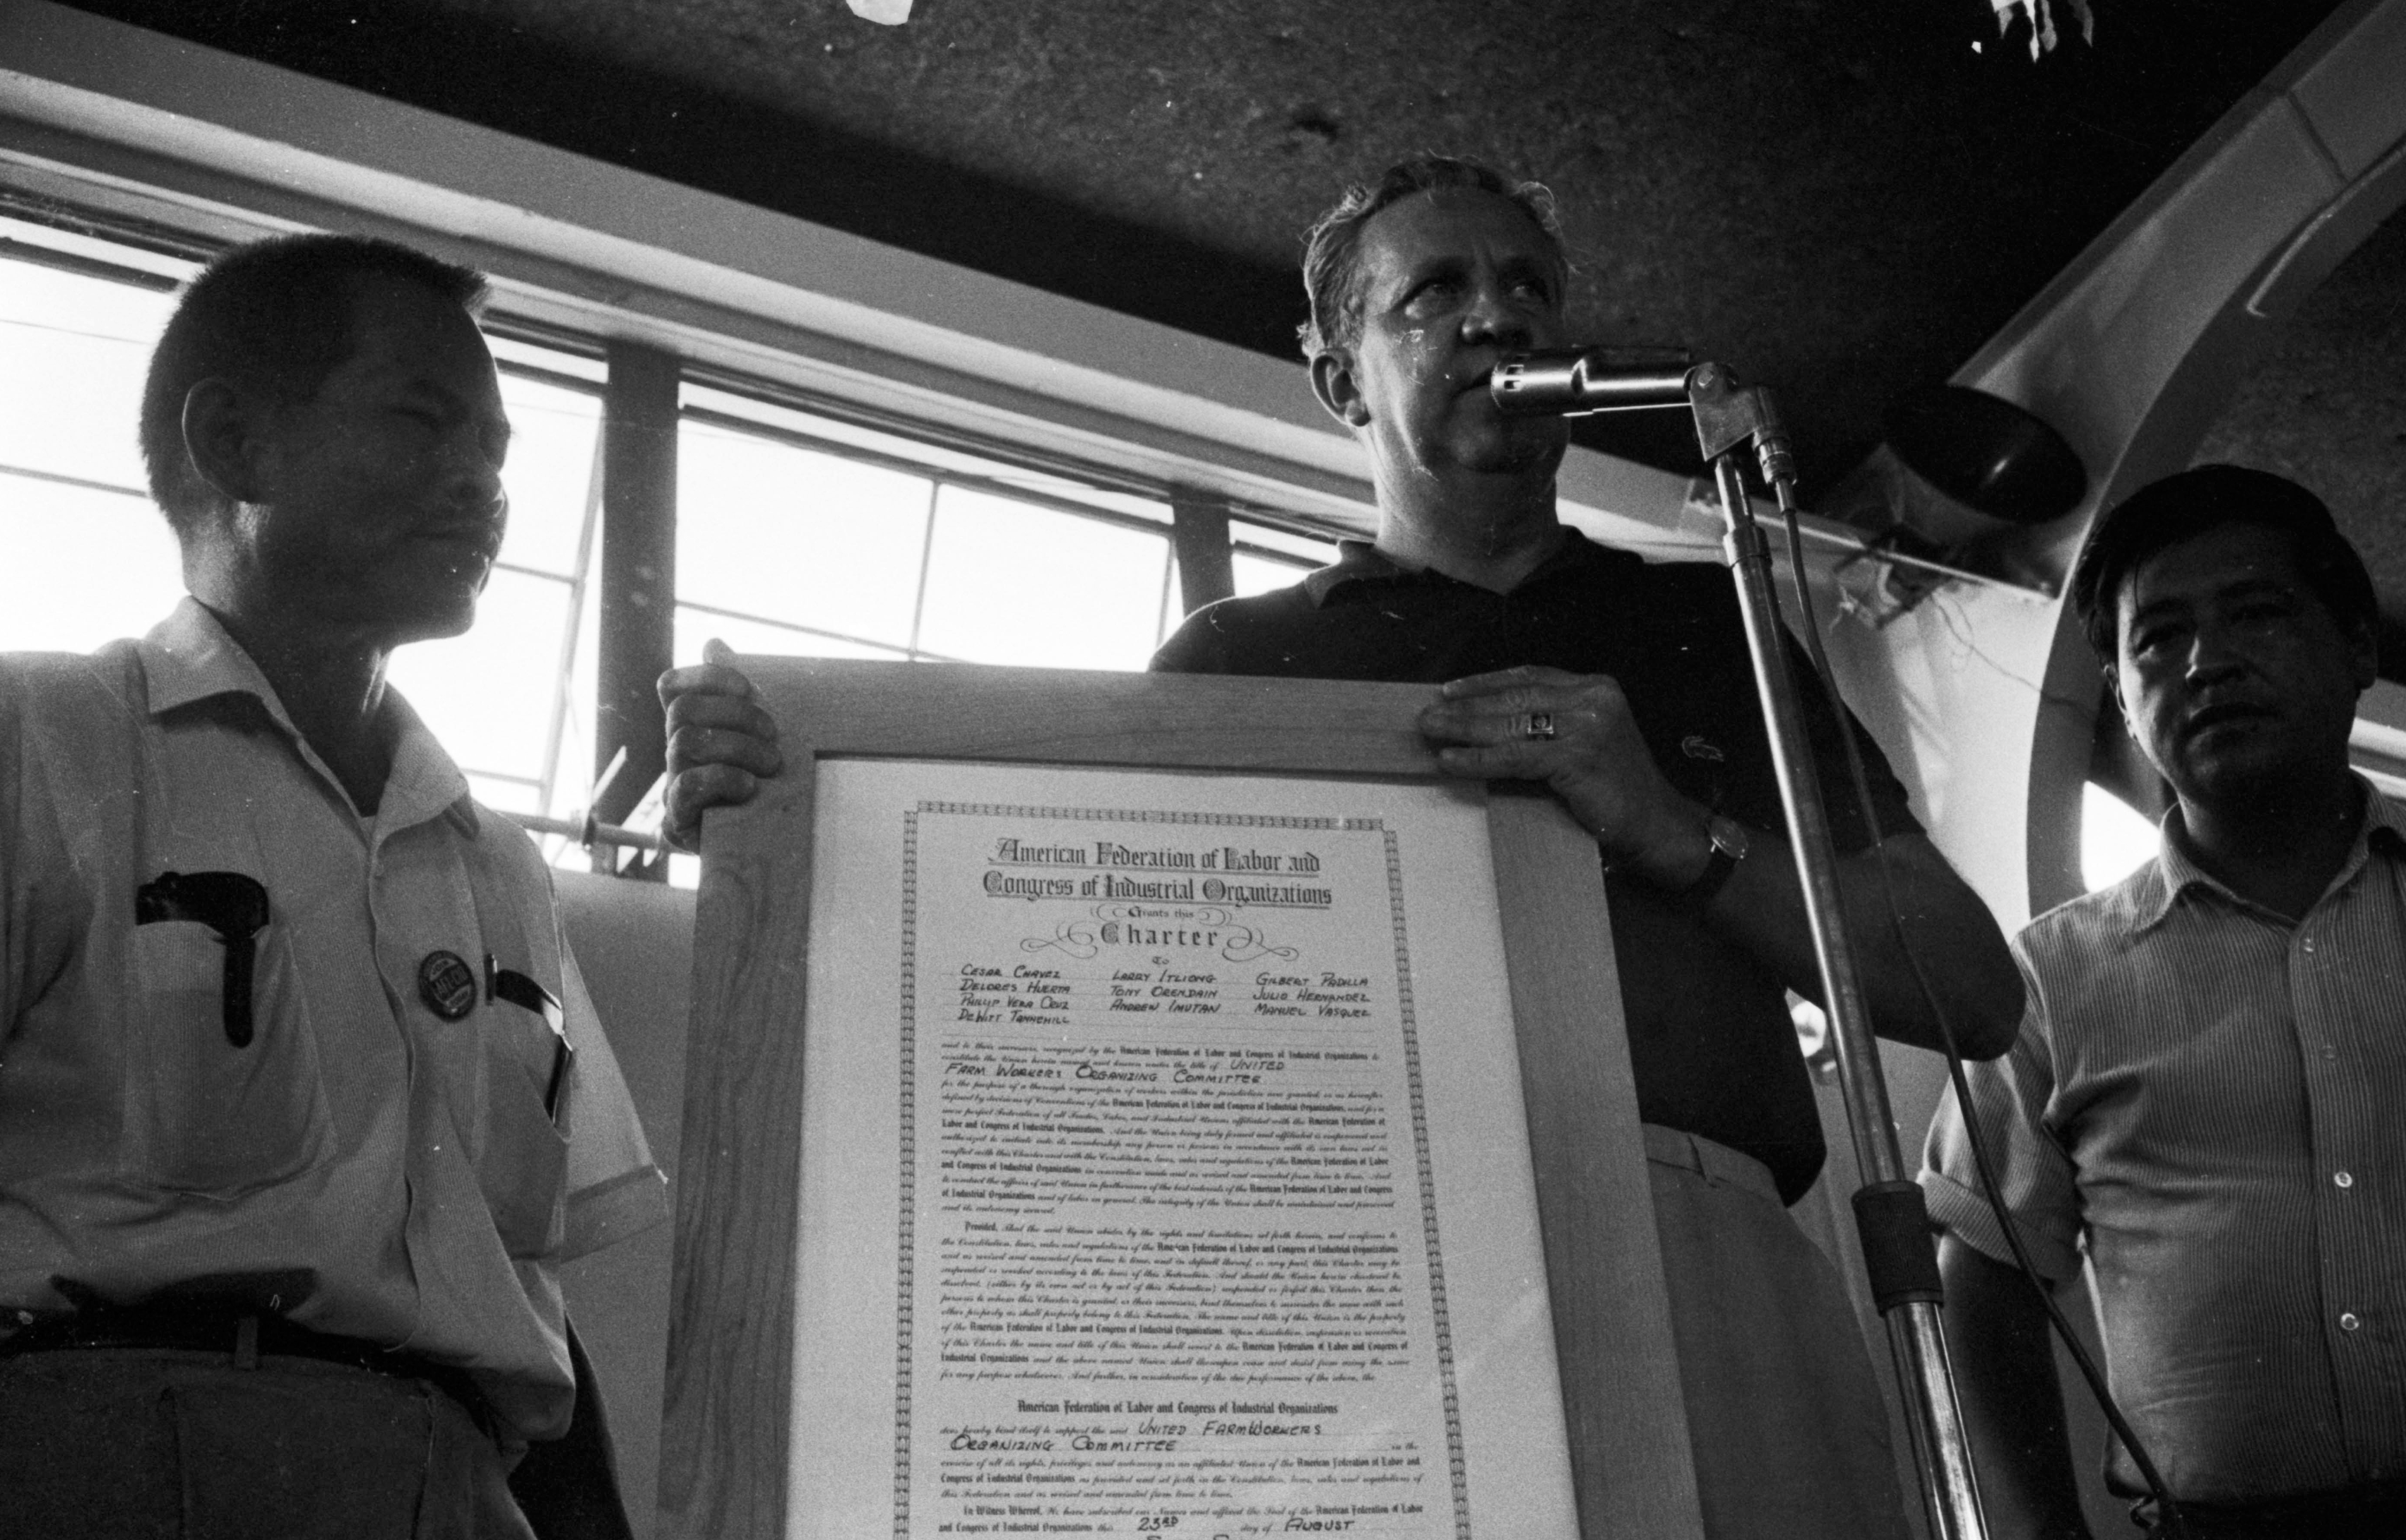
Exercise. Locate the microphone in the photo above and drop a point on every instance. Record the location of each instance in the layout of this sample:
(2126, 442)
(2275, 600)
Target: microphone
(1574, 381)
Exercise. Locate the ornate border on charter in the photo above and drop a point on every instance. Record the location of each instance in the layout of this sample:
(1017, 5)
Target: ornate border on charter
(907, 1219)
(1455, 1465)
(1442, 1321)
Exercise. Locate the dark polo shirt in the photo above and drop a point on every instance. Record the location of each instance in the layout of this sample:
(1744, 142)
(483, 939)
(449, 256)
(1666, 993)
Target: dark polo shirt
(1710, 1043)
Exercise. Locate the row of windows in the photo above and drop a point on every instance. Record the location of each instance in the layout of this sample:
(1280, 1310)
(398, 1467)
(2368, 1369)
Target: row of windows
(795, 533)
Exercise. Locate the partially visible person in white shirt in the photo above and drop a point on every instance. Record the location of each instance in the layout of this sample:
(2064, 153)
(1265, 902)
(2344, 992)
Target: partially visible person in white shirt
(2203, 1105)
(302, 1098)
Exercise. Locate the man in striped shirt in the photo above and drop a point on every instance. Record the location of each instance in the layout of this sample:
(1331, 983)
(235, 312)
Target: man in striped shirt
(2204, 1097)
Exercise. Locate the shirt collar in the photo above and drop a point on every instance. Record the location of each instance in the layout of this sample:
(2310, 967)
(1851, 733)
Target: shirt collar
(190, 657)
(1359, 561)
(2381, 829)
(423, 782)
(2384, 827)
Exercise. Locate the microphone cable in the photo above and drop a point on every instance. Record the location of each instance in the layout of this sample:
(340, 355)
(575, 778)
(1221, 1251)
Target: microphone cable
(2175, 1525)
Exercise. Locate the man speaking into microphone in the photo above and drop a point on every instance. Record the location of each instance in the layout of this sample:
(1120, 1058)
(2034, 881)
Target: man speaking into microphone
(1627, 689)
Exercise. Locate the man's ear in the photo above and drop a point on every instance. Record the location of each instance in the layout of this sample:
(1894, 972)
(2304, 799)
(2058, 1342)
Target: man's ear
(2364, 653)
(2114, 693)
(1333, 382)
(221, 423)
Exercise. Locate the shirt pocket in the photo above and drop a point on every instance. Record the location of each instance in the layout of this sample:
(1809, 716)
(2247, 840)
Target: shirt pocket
(210, 1116)
(528, 1084)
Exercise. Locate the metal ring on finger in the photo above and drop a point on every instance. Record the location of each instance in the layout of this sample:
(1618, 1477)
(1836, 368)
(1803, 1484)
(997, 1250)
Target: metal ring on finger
(1537, 725)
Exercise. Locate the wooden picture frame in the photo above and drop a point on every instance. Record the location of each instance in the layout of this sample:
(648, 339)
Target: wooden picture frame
(728, 1415)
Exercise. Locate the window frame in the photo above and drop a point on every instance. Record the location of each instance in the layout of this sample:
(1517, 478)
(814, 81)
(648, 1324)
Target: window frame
(509, 319)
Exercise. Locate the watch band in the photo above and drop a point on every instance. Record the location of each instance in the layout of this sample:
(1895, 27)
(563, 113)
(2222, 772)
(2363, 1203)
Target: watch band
(1730, 843)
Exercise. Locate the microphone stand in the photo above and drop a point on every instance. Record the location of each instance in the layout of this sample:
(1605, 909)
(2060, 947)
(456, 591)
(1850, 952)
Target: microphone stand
(1899, 1253)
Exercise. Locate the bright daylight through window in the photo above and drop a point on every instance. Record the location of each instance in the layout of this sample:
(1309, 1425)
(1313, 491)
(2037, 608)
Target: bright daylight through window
(2114, 838)
(90, 559)
(796, 533)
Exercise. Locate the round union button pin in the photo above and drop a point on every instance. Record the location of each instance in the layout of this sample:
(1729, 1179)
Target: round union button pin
(447, 984)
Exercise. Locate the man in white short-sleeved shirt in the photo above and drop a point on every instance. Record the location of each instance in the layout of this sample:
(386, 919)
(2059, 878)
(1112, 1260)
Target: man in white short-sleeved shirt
(2201, 1108)
(302, 1098)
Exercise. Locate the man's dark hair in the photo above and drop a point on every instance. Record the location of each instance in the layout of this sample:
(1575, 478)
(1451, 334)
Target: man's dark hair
(276, 315)
(2206, 497)
(1332, 248)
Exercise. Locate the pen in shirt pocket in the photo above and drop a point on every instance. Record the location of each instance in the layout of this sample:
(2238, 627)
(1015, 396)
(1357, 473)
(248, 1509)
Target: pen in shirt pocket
(232, 904)
(502, 984)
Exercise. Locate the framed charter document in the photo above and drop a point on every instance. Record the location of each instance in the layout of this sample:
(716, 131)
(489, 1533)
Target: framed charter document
(1156, 1106)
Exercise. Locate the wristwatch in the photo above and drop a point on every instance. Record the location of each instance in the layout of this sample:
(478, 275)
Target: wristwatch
(1730, 845)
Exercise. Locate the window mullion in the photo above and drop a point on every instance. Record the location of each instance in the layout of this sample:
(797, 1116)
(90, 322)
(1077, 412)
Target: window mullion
(1198, 523)
(927, 559)
(564, 683)
(638, 629)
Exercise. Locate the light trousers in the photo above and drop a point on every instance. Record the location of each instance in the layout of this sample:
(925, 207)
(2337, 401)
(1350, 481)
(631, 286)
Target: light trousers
(1791, 1438)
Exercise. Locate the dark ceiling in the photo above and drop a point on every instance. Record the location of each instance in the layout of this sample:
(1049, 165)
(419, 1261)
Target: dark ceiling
(1843, 198)
(2328, 409)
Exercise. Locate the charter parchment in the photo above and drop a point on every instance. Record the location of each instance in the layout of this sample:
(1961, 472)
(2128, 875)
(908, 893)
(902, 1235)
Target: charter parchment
(1163, 1170)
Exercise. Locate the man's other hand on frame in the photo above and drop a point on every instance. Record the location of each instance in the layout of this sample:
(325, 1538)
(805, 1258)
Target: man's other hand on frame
(721, 742)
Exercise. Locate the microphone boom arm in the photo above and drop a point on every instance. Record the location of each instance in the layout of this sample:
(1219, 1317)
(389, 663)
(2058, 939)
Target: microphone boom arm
(1891, 1220)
